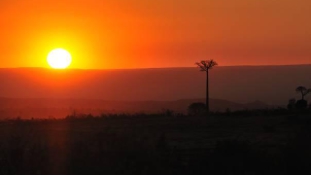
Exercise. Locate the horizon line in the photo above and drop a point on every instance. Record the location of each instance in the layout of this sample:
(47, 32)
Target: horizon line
(242, 65)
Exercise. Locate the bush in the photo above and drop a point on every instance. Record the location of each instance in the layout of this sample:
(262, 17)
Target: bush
(301, 104)
(196, 108)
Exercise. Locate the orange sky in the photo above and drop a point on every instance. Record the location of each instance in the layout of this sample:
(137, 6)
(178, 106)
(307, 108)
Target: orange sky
(108, 34)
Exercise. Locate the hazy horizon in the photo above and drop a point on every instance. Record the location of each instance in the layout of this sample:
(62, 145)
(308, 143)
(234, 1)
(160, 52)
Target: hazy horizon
(240, 84)
(219, 66)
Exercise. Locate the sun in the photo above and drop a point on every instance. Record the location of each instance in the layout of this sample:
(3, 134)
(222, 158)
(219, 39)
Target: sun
(59, 59)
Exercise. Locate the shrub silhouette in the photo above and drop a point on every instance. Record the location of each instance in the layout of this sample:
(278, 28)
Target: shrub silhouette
(302, 104)
(205, 66)
(196, 108)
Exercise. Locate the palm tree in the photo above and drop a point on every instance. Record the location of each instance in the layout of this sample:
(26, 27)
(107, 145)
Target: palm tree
(205, 66)
(303, 90)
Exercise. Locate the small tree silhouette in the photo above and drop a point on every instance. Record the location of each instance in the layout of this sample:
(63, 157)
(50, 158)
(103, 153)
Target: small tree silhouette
(205, 66)
(302, 104)
(303, 90)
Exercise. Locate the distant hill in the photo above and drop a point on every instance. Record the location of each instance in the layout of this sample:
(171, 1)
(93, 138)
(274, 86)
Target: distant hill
(58, 108)
(272, 85)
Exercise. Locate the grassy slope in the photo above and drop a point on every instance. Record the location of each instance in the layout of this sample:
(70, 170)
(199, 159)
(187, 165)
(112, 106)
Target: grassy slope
(157, 144)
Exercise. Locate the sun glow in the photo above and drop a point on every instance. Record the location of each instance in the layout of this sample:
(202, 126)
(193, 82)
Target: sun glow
(59, 59)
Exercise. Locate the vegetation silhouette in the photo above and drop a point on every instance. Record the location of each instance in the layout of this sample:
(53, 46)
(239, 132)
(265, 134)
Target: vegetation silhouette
(196, 108)
(303, 90)
(159, 144)
(205, 66)
(302, 103)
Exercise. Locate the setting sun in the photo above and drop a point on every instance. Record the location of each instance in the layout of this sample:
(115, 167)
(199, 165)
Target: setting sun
(59, 59)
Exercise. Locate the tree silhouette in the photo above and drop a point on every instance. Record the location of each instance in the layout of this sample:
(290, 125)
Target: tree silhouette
(302, 104)
(205, 66)
(303, 90)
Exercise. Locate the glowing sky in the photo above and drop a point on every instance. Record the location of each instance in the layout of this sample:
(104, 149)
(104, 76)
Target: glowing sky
(162, 33)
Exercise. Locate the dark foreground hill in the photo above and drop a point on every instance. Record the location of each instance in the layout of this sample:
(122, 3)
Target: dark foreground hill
(243, 84)
(59, 108)
(157, 145)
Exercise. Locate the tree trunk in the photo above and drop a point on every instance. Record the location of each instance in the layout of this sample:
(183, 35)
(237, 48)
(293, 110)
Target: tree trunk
(207, 94)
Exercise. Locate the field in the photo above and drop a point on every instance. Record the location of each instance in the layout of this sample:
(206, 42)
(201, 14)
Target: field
(158, 144)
